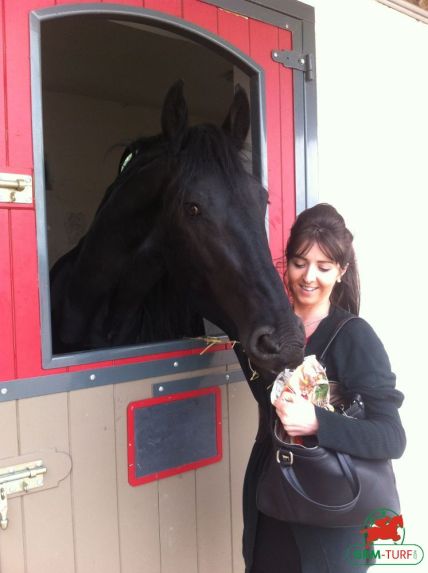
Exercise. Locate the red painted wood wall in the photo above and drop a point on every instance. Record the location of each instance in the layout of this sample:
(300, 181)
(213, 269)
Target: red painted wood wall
(20, 339)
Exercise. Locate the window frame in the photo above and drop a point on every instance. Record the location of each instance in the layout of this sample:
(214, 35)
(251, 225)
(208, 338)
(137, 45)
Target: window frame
(153, 351)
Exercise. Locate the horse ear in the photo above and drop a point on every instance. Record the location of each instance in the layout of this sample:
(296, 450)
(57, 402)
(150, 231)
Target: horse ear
(237, 122)
(174, 114)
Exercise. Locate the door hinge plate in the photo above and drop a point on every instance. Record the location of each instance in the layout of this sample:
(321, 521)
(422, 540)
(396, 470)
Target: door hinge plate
(296, 61)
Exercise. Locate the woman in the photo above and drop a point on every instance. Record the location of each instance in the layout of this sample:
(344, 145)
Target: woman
(322, 280)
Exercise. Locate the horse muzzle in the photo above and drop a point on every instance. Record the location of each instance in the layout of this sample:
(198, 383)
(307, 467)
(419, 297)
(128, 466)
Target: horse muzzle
(267, 352)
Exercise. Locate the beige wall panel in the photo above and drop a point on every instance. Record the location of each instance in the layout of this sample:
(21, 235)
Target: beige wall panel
(138, 506)
(43, 424)
(93, 480)
(243, 422)
(11, 539)
(213, 516)
(177, 509)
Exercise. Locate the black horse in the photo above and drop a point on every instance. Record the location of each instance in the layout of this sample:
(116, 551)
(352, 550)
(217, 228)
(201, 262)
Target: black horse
(179, 235)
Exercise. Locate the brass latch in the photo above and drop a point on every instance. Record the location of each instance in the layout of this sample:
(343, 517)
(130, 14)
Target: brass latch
(15, 188)
(17, 479)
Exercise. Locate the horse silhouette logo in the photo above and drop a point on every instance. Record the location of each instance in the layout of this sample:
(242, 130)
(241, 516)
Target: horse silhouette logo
(383, 528)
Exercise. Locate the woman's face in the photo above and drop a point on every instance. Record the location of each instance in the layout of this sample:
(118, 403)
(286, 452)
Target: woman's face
(311, 279)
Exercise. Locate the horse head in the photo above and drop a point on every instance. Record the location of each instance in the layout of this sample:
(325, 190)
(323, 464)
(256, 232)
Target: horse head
(183, 221)
(216, 242)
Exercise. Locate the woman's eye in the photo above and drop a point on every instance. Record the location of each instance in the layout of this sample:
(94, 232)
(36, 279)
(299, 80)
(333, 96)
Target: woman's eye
(299, 265)
(193, 209)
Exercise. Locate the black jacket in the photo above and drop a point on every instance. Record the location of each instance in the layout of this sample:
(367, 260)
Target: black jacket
(356, 359)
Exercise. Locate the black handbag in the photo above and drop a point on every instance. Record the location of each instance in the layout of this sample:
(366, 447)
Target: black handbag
(312, 485)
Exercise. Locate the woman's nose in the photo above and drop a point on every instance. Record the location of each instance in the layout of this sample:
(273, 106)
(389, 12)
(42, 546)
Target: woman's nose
(310, 274)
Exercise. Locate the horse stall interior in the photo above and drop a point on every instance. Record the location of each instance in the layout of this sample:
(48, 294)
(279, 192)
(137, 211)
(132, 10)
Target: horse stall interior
(82, 81)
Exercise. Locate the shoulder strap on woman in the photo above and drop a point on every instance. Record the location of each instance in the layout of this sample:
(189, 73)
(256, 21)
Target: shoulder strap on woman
(335, 333)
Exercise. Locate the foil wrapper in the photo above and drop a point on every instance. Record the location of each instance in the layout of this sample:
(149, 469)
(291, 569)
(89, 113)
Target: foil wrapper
(308, 380)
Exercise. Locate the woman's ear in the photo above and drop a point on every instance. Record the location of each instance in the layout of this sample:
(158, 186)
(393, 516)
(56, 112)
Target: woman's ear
(342, 271)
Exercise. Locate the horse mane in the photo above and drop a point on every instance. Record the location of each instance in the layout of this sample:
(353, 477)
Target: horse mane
(205, 148)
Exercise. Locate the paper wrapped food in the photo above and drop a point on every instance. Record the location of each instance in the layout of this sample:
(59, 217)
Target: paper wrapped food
(308, 380)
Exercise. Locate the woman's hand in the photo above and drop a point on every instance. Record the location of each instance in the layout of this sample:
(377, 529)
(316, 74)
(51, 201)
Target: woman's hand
(297, 415)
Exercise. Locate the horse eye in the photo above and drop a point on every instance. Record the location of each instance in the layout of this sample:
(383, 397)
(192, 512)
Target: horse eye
(193, 209)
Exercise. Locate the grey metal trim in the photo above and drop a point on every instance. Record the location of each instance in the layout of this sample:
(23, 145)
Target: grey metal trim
(257, 9)
(91, 378)
(257, 88)
(258, 12)
(311, 122)
(196, 383)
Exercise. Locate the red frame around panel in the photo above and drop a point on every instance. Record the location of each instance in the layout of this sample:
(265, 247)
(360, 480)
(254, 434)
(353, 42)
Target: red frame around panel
(7, 354)
(18, 260)
(132, 478)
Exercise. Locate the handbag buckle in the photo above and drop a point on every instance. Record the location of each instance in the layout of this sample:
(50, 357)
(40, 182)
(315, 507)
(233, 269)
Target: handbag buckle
(285, 458)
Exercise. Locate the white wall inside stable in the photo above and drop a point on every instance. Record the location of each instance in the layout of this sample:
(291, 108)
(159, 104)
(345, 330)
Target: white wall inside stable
(372, 78)
(86, 137)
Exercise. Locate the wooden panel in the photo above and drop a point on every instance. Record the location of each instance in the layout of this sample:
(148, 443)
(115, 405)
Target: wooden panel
(287, 139)
(93, 479)
(7, 359)
(177, 514)
(234, 29)
(138, 506)
(201, 14)
(138, 3)
(243, 422)
(172, 7)
(264, 39)
(3, 126)
(18, 80)
(26, 295)
(74, 2)
(11, 540)
(214, 531)
(43, 423)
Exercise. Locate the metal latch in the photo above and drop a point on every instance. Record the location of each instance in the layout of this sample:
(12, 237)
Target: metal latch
(18, 479)
(15, 188)
(296, 61)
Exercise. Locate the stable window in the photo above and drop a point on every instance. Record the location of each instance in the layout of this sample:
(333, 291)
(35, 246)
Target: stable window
(99, 80)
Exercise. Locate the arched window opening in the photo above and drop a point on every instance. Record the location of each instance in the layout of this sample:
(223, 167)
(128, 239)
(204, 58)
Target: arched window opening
(104, 77)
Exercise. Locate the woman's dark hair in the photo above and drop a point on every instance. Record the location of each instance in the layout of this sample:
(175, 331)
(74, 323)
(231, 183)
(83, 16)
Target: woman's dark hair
(323, 225)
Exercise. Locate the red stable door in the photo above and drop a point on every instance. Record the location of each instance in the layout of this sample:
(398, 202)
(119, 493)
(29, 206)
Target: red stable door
(20, 323)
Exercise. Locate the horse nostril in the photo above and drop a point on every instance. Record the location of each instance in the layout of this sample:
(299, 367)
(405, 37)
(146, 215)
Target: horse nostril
(262, 343)
(267, 345)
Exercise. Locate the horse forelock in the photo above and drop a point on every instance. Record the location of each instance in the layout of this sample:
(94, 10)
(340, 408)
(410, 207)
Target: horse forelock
(208, 151)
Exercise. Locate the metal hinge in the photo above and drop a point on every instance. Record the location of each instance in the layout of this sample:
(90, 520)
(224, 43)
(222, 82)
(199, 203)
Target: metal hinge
(17, 479)
(15, 188)
(296, 61)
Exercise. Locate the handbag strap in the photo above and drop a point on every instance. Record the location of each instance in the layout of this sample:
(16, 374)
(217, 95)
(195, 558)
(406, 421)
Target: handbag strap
(334, 335)
(348, 470)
